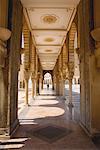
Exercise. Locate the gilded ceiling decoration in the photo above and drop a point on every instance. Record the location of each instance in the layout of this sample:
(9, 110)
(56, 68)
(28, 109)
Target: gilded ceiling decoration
(49, 40)
(50, 19)
(48, 50)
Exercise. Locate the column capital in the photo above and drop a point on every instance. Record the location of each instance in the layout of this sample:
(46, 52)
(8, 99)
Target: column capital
(70, 70)
(4, 36)
(96, 34)
(33, 75)
(26, 74)
(70, 75)
(78, 51)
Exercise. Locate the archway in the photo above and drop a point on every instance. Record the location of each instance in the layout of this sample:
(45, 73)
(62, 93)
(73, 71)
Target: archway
(47, 81)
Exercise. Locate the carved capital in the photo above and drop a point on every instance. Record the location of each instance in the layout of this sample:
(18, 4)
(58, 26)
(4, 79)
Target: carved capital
(26, 74)
(70, 75)
(3, 53)
(71, 67)
(4, 36)
(96, 34)
(77, 51)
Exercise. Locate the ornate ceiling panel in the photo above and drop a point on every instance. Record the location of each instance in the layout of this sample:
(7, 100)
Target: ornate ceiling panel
(49, 18)
(49, 37)
(49, 3)
(49, 21)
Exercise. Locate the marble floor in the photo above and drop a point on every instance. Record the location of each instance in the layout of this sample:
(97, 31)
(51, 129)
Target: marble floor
(51, 110)
(48, 110)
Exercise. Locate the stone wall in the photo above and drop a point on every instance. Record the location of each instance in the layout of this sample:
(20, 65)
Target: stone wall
(89, 74)
(15, 24)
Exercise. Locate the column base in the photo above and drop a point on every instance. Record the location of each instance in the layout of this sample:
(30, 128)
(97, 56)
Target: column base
(92, 133)
(7, 133)
(70, 105)
(27, 105)
(33, 98)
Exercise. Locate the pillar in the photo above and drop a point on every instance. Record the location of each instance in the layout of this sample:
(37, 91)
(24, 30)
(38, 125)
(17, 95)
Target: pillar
(70, 77)
(57, 84)
(26, 76)
(70, 91)
(33, 88)
(63, 87)
(37, 84)
(4, 36)
(33, 79)
(42, 84)
(95, 84)
(53, 83)
(70, 104)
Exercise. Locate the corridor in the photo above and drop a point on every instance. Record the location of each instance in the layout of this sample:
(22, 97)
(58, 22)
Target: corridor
(50, 74)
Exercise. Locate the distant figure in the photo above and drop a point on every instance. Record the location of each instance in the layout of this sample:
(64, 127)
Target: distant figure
(47, 86)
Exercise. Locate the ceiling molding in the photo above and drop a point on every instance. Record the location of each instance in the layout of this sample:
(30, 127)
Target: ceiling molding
(27, 19)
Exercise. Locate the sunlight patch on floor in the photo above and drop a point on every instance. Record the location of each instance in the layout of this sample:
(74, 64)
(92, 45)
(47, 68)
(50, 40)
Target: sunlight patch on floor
(42, 112)
(45, 102)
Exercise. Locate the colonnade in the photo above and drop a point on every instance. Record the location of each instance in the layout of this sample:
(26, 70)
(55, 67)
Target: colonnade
(88, 49)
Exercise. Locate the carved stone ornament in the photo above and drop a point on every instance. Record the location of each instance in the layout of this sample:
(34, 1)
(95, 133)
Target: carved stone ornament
(26, 74)
(4, 36)
(49, 40)
(49, 19)
(96, 36)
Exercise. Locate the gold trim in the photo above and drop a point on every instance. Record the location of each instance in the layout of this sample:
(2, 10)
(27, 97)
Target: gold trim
(48, 39)
(49, 18)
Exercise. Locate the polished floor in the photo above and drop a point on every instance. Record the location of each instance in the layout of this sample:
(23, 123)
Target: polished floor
(51, 110)
(46, 116)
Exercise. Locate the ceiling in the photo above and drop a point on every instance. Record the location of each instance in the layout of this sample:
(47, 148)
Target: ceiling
(49, 22)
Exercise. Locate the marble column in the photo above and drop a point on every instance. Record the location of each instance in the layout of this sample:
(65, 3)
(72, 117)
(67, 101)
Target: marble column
(26, 77)
(52, 83)
(37, 84)
(42, 84)
(63, 87)
(95, 84)
(70, 91)
(70, 88)
(33, 87)
(33, 79)
(4, 36)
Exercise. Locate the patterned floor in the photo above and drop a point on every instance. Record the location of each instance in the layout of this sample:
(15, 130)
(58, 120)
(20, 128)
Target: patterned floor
(46, 125)
(37, 121)
(50, 133)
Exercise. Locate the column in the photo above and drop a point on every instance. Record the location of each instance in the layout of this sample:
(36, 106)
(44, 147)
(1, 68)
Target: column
(33, 85)
(4, 36)
(57, 84)
(37, 83)
(63, 87)
(42, 84)
(52, 83)
(70, 89)
(70, 104)
(26, 76)
(95, 85)
(33, 88)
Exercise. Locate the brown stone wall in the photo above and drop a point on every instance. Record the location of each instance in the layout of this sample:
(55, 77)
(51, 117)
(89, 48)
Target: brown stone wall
(15, 24)
(89, 73)
(85, 50)
(95, 76)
